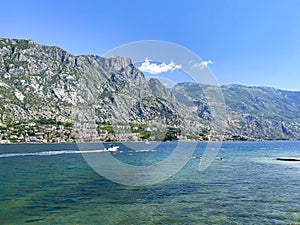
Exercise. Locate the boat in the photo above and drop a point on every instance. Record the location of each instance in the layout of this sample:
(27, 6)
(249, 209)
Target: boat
(111, 148)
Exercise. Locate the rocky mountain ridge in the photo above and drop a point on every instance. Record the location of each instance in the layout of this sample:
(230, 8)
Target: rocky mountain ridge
(47, 85)
(254, 112)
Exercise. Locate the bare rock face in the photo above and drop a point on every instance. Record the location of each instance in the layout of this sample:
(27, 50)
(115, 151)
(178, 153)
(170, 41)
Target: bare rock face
(53, 82)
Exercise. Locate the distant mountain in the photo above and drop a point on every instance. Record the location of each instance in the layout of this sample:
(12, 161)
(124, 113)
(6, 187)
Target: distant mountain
(253, 112)
(46, 86)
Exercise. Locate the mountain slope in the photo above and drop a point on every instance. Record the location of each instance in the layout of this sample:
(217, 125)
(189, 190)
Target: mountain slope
(255, 112)
(47, 83)
(45, 92)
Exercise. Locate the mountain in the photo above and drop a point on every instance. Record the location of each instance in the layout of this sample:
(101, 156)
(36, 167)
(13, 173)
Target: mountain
(253, 112)
(48, 94)
(46, 85)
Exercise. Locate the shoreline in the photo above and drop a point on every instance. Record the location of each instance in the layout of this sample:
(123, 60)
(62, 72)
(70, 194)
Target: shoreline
(107, 142)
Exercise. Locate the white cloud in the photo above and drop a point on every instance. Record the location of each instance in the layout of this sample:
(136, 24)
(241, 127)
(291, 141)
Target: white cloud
(154, 68)
(203, 64)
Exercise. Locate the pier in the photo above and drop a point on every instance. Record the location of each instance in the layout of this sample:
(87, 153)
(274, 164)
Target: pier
(288, 159)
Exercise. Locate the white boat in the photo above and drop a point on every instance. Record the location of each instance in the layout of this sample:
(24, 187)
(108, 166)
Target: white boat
(112, 148)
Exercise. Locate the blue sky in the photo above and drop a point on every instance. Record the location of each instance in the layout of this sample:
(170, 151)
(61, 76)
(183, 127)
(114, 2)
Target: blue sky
(249, 42)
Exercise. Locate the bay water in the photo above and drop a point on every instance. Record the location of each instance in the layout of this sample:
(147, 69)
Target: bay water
(53, 184)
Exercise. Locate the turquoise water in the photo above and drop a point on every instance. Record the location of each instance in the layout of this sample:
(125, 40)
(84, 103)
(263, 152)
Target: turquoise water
(248, 187)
